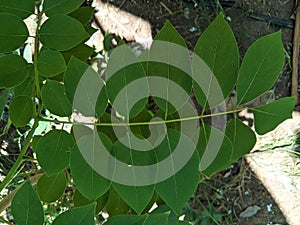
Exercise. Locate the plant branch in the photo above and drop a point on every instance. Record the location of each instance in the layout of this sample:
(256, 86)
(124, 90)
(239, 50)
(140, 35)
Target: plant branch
(19, 160)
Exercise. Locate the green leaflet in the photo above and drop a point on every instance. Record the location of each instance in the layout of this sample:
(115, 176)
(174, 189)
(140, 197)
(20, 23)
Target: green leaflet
(218, 48)
(155, 219)
(242, 137)
(82, 85)
(50, 188)
(260, 68)
(174, 190)
(11, 39)
(115, 204)
(168, 44)
(91, 184)
(54, 7)
(269, 116)
(78, 216)
(81, 51)
(26, 88)
(80, 200)
(122, 73)
(51, 63)
(55, 99)
(137, 197)
(62, 33)
(214, 148)
(14, 69)
(53, 151)
(84, 15)
(26, 206)
(21, 110)
(22, 8)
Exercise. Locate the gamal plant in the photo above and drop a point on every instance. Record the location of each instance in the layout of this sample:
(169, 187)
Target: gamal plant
(146, 131)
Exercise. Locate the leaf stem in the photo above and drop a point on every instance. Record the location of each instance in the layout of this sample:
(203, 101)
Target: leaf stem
(35, 56)
(19, 160)
(121, 124)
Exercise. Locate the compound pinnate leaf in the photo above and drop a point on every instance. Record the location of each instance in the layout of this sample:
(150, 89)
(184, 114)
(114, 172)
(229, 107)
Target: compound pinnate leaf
(78, 216)
(21, 110)
(51, 63)
(260, 68)
(214, 148)
(269, 116)
(218, 48)
(90, 183)
(51, 188)
(62, 33)
(54, 7)
(13, 32)
(55, 99)
(53, 151)
(26, 206)
(242, 137)
(22, 8)
(14, 69)
(177, 196)
(82, 82)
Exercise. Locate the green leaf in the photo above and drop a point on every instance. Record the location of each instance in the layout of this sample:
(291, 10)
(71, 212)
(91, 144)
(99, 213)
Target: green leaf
(55, 100)
(54, 7)
(269, 116)
(174, 191)
(78, 216)
(22, 8)
(81, 51)
(242, 137)
(115, 205)
(122, 69)
(137, 197)
(172, 68)
(51, 63)
(90, 183)
(14, 69)
(11, 39)
(62, 33)
(260, 68)
(218, 48)
(53, 150)
(80, 200)
(26, 206)
(51, 188)
(125, 220)
(83, 14)
(214, 148)
(82, 81)
(26, 88)
(21, 110)
(161, 219)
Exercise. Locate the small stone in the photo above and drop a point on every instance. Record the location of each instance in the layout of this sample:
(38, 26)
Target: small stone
(250, 211)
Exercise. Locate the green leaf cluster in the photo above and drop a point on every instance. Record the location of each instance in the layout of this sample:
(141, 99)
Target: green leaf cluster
(50, 84)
